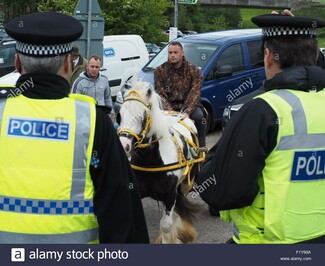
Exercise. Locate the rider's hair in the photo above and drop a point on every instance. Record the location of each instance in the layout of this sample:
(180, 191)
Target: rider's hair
(177, 44)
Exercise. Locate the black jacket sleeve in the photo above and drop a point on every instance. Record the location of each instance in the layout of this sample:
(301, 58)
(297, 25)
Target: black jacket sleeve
(235, 162)
(117, 202)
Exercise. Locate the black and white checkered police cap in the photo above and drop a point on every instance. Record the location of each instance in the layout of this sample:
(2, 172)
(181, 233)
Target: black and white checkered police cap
(44, 34)
(283, 26)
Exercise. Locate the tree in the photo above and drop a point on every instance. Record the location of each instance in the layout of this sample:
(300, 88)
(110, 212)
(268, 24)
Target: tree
(65, 6)
(202, 19)
(145, 17)
(12, 9)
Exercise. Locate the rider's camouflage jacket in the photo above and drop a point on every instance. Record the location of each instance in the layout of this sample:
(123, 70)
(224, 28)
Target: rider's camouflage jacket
(180, 89)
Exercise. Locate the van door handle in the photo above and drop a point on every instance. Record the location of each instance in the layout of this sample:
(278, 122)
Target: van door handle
(256, 75)
(244, 79)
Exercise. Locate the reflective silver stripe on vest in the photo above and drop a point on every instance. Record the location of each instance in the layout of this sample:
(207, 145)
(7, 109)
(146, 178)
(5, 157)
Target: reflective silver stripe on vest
(2, 107)
(80, 149)
(235, 230)
(67, 238)
(301, 139)
(47, 207)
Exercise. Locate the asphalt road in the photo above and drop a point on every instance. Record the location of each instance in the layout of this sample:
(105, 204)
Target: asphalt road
(209, 229)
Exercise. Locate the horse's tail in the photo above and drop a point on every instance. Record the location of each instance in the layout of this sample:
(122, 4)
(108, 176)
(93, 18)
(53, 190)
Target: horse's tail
(186, 210)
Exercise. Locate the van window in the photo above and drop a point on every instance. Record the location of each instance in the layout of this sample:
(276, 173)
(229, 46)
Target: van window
(233, 56)
(197, 53)
(256, 54)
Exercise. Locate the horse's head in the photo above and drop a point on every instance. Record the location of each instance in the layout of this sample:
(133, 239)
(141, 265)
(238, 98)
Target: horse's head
(136, 115)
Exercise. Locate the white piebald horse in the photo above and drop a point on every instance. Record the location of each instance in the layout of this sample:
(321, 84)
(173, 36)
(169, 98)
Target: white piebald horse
(164, 154)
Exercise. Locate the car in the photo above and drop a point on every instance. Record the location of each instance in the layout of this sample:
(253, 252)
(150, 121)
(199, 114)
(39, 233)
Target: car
(179, 33)
(7, 56)
(189, 32)
(234, 107)
(153, 49)
(123, 56)
(231, 62)
(3, 33)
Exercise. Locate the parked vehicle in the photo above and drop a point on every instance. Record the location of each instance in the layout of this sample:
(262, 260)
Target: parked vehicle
(231, 63)
(189, 32)
(7, 56)
(179, 33)
(123, 56)
(3, 33)
(234, 107)
(153, 49)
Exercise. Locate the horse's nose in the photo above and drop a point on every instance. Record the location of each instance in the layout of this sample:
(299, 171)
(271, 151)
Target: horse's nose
(126, 143)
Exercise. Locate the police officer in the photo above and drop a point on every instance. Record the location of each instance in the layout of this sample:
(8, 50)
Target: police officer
(269, 165)
(64, 175)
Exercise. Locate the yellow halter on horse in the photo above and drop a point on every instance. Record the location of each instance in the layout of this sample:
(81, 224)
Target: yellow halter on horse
(139, 137)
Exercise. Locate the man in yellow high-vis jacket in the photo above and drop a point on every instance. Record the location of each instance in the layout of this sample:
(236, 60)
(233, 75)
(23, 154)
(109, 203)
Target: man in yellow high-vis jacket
(64, 175)
(269, 165)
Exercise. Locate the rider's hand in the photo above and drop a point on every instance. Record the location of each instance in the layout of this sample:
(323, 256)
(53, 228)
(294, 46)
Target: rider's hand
(185, 116)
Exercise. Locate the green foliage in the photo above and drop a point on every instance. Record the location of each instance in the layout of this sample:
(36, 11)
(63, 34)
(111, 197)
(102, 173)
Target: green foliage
(11, 9)
(65, 6)
(313, 13)
(145, 17)
(248, 13)
(203, 19)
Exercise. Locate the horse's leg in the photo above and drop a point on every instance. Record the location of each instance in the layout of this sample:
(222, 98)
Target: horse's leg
(185, 211)
(168, 230)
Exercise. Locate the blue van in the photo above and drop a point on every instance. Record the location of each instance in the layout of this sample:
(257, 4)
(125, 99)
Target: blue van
(231, 62)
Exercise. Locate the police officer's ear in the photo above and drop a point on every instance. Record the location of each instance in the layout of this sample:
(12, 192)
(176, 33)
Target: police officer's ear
(66, 66)
(17, 63)
(268, 57)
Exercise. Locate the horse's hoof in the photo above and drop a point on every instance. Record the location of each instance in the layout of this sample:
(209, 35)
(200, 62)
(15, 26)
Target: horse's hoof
(166, 225)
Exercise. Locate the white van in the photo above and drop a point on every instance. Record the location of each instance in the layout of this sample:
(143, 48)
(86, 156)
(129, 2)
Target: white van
(123, 57)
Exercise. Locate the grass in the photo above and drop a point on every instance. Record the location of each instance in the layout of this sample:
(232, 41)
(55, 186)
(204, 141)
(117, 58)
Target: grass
(321, 42)
(248, 13)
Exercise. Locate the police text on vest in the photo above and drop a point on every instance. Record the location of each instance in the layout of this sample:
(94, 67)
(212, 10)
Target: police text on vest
(308, 165)
(38, 129)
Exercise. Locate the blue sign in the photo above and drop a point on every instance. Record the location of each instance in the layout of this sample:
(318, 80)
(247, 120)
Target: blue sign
(38, 129)
(308, 165)
(109, 52)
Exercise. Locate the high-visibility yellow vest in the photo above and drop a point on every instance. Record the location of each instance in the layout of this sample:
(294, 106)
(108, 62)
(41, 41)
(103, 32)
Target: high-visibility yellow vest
(289, 207)
(46, 192)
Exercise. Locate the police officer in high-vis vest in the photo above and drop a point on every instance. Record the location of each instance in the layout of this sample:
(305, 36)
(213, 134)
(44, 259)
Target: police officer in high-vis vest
(269, 165)
(64, 175)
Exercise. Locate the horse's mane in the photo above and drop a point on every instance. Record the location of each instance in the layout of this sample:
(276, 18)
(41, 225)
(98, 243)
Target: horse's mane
(160, 123)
